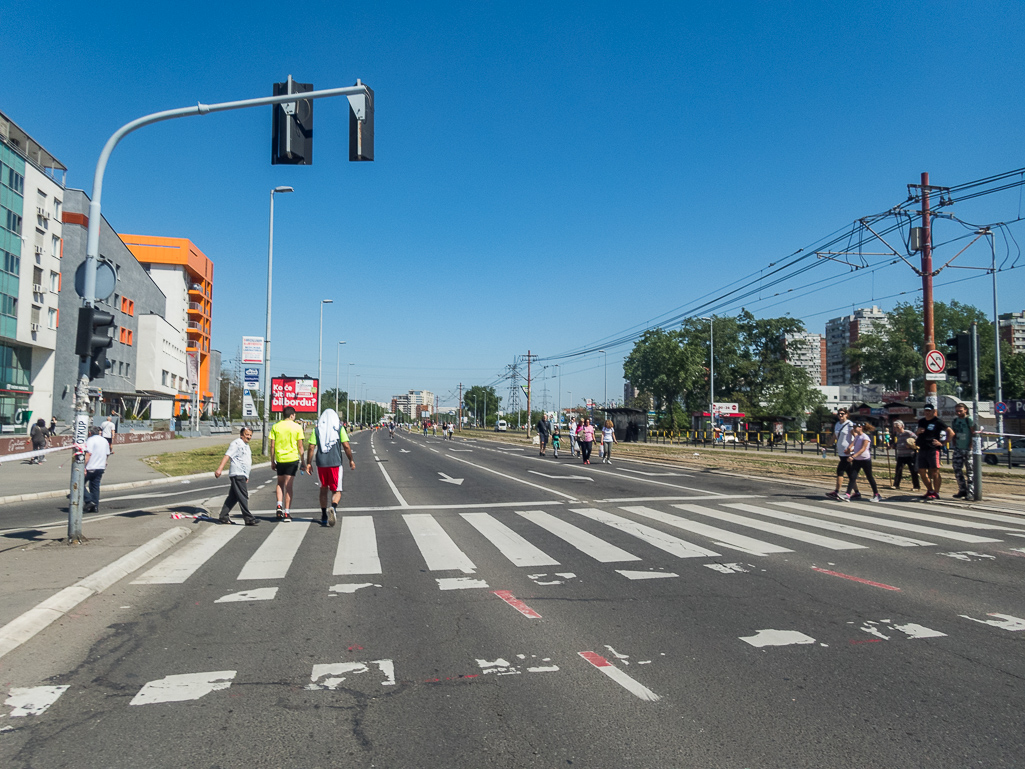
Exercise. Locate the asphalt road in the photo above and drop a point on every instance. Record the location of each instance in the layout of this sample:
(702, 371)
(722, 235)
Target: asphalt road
(479, 606)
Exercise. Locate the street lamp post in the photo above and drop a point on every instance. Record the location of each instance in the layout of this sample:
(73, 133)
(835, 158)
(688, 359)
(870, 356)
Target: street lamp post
(269, 396)
(711, 370)
(320, 353)
(606, 404)
(557, 421)
(338, 382)
(348, 371)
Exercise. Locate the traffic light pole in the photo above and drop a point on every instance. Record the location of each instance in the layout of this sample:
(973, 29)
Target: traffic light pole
(976, 439)
(92, 255)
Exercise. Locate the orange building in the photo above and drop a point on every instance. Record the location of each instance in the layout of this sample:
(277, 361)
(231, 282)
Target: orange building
(186, 276)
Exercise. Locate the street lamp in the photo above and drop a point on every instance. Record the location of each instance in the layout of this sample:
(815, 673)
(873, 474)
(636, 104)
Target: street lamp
(348, 371)
(606, 377)
(269, 395)
(338, 382)
(559, 419)
(711, 370)
(320, 353)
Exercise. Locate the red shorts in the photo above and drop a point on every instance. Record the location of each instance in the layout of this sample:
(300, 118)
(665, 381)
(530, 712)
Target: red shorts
(329, 477)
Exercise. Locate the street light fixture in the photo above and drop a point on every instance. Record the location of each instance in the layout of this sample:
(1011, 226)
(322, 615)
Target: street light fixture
(268, 395)
(348, 371)
(711, 370)
(338, 381)
(606, 404)
(320, 353)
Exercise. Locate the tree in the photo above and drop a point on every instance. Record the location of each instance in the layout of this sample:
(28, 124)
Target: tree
(663, 367)
(485, 400)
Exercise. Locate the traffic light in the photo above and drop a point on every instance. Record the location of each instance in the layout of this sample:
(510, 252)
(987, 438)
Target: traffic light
(959, 359)
(292, 129)
(93, 339)
(361, 125)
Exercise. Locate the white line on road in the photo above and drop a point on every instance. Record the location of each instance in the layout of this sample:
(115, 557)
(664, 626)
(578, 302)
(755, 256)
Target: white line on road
(402, 502)
(830, 543)
(584, 541)
(721, 537)
(437, 548)
(189, 686)
(563, 477)
(509, 543)
(672, 545)
(183, 564)
(621, 678)
(33, 700)
(275, 555)
(514, 478)
(843, 528)
(357, 547)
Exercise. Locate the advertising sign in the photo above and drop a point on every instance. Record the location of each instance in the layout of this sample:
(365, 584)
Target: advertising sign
(726, 409)
(193, 368)
(248, 405)
(252, 349)
(298, 392)
(251, 377)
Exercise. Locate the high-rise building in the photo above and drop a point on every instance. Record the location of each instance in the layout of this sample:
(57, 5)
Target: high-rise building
(31, 246)
(186, 276)
(413, 403)
(808, 351)
(841, 333)
(1012, 330)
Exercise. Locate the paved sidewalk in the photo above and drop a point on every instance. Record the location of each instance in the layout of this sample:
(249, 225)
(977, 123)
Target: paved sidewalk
(20, 481)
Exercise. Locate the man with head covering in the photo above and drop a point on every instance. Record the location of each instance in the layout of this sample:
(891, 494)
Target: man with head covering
(328, 441)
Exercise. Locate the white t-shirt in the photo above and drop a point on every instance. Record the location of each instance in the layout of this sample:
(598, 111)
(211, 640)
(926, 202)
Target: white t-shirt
(241, 456)
(108, 429)
(607, 434)
(98, 449)
(844, 433)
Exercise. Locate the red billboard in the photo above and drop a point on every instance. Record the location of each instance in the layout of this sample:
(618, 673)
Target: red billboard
(298, 392)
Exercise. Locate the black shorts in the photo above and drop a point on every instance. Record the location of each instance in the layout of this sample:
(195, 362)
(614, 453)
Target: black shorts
(843, 466)
(288, 468)
(928, 459)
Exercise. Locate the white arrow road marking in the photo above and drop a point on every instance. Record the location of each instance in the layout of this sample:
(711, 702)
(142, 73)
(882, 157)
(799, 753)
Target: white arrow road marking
(189, 686)
(449, 479)
(563, 477)
(34, 700)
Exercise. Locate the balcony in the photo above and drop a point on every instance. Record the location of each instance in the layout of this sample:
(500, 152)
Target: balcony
(192, 345)
(195, 328)
(196, 307)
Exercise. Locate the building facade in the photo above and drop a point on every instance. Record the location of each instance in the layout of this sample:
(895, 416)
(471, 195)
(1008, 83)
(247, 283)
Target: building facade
(1012, 330)
(841, 333)
(31, 202)
(186, 276)
(807, 351)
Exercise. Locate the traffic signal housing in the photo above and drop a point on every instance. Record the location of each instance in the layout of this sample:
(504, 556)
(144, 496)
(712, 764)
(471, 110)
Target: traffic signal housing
(93, 339)
(292, 130)
(361, 125)
(959, 359)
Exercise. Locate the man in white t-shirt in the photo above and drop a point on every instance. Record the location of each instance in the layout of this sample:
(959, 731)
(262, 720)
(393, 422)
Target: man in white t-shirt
(107, 429)
(241, 458)
(96, 452)
(843, 433)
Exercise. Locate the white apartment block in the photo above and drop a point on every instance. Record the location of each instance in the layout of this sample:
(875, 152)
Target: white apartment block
(844, 331)
(804, 350)
(160, 363)
(1012, 330)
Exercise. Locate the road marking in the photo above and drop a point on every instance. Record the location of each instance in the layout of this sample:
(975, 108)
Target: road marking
(259, 594)
(462, 450)
(969, 555)
(621, 678)
(189, 686)
(672, 545)
(777, 638)
(646, 574)
(513, 478)
(899, 512)
(877, 520)
(32, 700)
(1003, 621)
(332, 675)
(653, 475)
(449, 479)
(517, 604)
(391, 484)
(843, 528)
(460, 583)
(563, 477)
(351, 587)
(728, 568)
(775, 528)
(437, 548)
(681, 498)
(275, 555)
(509, 543)
(720, 537)
(357, 547)
(178, 567)
(855, 579)
(585, 542)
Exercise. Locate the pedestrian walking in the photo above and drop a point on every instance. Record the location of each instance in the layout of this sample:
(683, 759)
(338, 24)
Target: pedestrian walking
(286, 449)
(964, 469)
(328, 441)
(96, 452)
(843, 433)
(608, 437)
(544, 429)
(108, 428)
(449, 428)
(240, 455)
(53, 427)
(555, 441)
(860, 452)
(38, 436)
(906, 450)
(574, 426)
(931, 435)
(576, 435)
(586, 440)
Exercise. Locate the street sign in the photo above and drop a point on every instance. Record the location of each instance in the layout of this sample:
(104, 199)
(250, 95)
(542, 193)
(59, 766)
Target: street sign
(106, 279)
(251, 377)
(252, 349)
(1001, 408)
(931, 377)
(935, 362)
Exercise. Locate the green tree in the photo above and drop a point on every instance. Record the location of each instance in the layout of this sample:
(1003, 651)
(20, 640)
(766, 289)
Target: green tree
(663, 367)
(486, 402)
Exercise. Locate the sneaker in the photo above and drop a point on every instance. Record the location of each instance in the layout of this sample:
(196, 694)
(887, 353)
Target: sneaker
(286, 518)
(876, 498)
(833, 494)
(932, 495)
(279, 513)
(252, 522)
(331, 516)
(224, 520)
(856, 495)
(323, 520)
(845, 497)
(961, 495)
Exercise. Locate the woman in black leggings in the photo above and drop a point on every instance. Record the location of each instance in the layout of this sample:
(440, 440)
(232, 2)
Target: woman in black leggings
(860, 452)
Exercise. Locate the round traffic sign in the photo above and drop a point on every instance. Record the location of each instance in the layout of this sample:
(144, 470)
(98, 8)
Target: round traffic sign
(935, 362)
(1001, 408)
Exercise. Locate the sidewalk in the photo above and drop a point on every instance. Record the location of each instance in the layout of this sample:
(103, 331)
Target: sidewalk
(20, 481)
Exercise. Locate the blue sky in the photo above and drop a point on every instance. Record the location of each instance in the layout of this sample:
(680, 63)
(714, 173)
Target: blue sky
(546, 177)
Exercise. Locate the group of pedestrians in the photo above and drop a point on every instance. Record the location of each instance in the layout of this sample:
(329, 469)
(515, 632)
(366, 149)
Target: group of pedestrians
(582, 437)
(290, 457)
(918, 452)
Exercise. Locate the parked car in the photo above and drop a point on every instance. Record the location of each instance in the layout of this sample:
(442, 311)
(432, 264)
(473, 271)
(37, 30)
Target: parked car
(998, 456)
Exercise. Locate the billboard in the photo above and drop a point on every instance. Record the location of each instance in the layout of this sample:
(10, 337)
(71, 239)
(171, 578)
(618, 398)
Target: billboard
(252, 349)
(298, 392)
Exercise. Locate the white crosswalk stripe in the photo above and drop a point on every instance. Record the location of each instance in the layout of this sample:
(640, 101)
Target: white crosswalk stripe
(357, 547)
(509, 543)
(437, 548)
(774, 528)
(672, 545)
(182, 564)
(842, 528)
(584, 541)
(272, 559)
(721, 537)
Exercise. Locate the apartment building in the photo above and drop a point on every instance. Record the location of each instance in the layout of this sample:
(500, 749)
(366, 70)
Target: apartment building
(31, 245)
(1012, 330)
(807, 351)
(841, 333)
(186, 276)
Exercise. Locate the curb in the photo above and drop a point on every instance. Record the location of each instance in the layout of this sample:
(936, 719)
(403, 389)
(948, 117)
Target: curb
(19, 630)
(116, 486)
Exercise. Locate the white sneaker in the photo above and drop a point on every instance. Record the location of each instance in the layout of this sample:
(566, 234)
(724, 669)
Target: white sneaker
(845, 497)
(877, 498)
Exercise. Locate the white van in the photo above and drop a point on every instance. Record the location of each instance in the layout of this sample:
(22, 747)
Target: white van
(501, 426)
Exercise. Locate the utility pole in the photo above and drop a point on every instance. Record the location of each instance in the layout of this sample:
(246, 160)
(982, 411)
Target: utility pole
(529, 359)
(976, 439)
(459, 411)
(930, 336)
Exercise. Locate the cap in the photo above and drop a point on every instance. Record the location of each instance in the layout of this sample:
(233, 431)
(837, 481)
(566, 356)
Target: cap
(930, 407)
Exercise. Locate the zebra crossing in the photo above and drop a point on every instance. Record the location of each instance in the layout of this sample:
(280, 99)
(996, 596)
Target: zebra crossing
(610, 534)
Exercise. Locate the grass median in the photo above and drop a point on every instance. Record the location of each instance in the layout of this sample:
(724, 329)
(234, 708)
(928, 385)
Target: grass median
(175, 463)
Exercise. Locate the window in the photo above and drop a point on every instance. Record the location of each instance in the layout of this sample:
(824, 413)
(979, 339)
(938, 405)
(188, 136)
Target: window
(163, 378)
(55, 282)
(8, 305)
(55, 247)
(56, 209)
(120, 368)
(51, 318)
(128, 369)
(116, 299)
(125, 336)
(15, 181)
(11, 263)
(37, 276)
(11, 221)
(35, 315)
(128, 306)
